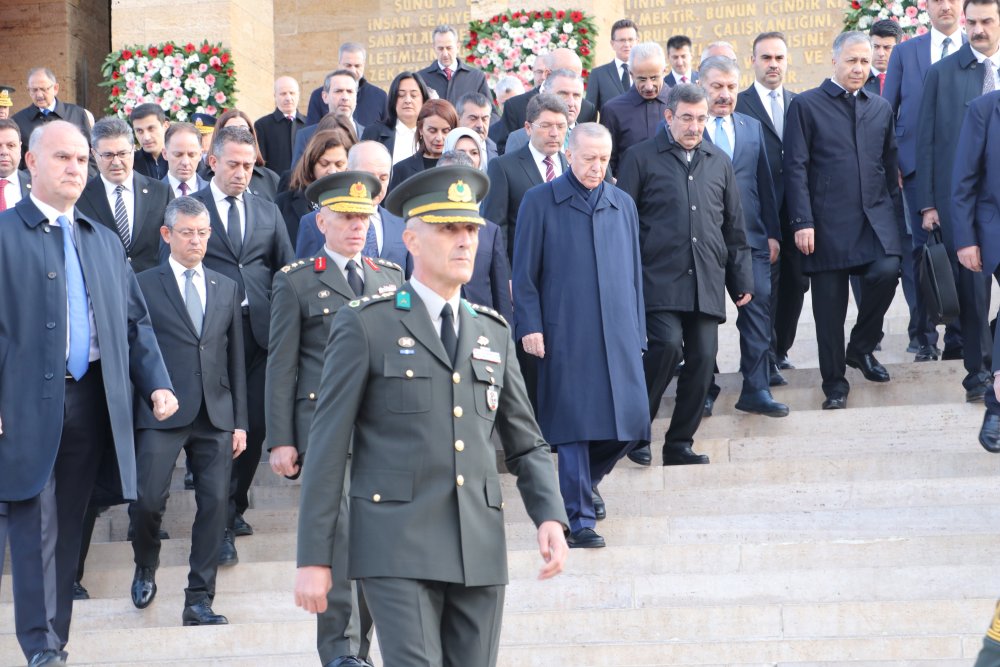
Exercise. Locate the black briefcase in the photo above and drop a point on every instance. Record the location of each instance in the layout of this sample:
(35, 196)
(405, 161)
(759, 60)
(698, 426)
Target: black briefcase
(937, 280)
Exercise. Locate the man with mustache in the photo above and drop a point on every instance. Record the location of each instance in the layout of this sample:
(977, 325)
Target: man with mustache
(694, 247)
(842, 191)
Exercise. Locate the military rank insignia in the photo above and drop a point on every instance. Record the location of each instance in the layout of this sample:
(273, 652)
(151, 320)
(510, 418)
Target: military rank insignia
(319, 264)
(386, 289)
(403, 300)
(371, 264)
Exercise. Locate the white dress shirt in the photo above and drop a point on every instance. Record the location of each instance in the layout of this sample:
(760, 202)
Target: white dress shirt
(52, 215)
(405, 143)
(341, 262)
(434, 303)
(198, 279)
(539, 156)
(223, 207)
(764, 93)
(128, 198)
(175, 184)
(937, 41)
(12, 191)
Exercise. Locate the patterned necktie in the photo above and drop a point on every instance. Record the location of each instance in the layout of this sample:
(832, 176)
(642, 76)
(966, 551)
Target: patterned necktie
(354, 278)
(721, 138)
(945, 47)
(193, 301)
(989, 77)
(550, 168)
(626, 79)
(233, 227)
(448, 336)
(3, 196)
(447, 73)
(684, 79)
(881, 82)
(121, 217)
(184, 187)
(777, 114)
(76, 296)
(371, 240)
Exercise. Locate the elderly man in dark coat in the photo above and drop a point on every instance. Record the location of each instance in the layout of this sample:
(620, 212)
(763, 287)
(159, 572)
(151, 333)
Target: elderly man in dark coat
(842, 192)
(578, 307)
(694, 247)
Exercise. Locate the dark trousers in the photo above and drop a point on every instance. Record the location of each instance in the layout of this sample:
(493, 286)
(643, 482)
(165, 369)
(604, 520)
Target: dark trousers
(754, 323)
(830, 293)
(788, 298)
(582, 466)
(245, 467)
(211, 455)
(435, 624)
(672, 336)
(973, 317)
(45, 531)
(989, 655)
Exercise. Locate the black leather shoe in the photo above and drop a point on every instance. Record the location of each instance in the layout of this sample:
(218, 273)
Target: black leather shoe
(348, 661)
(641, 454)
(228, 555)
(761, 403)
(600, 510)
(585, 538)
(977, 393)
(913, 347)
(202, 614)
(784, 364)
(777, 379)
(79, 592)
(835, 402)
(48, 657)
(926, 353)
(682, 456)
(989, 434)
(240, 527)
(189, 481)
(143, 586)
(868, 365)
(951, 353)
(709, 406)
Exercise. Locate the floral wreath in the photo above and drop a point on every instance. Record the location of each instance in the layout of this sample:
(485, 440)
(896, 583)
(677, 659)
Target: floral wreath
(911, 15)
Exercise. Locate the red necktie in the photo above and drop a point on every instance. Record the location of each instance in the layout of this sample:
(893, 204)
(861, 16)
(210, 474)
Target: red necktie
(881, 82)
(447, 73)
(684, 79)
(550, 169)
(3, 197)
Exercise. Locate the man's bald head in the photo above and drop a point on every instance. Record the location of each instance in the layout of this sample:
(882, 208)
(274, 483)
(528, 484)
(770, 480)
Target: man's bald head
(565, 59)
(286, 95)
(57, 159)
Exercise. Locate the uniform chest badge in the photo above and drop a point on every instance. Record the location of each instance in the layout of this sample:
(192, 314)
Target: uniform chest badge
(406, 341)
(492, 398)
(482, 341)
(323, 294)
(386, 289)
(486, 354)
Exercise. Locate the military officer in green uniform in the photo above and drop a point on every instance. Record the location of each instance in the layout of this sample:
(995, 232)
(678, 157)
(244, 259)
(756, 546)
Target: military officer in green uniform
(305, 297)
(989, 656)
(420, 379)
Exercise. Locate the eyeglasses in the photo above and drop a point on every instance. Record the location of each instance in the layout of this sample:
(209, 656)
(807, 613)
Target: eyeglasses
(188, 234)
(545, 127)
(46, 89)
(110, 157)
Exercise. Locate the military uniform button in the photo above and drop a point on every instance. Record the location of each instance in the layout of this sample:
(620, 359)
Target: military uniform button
(458, 411)
(409, 373)
(376, 498)
(502, 504)
(460, 480)
(52, 274)
(456, 378)
(459, 446)
(326, 311)
(312, 397)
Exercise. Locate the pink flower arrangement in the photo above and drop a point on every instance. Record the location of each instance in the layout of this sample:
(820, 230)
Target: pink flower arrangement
(911, 15)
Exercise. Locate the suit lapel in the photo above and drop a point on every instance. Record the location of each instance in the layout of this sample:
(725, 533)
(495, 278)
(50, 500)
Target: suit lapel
(336, 281)
(25, 180)
(739, 137)
(218, 229)
(418, 322)
(211, 297)
(140, 205)
(98, 199)
(530, 168)
(248, 226)
(173, 293)
(924, 57)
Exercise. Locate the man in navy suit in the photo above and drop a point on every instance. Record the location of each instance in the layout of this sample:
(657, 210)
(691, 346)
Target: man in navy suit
(612, 79)
(842, 198)
(182, 149)
(385, 230)
(742, 138)
(340, 94)
(767, 101)
(75, 338)
(679, 55)
(371, 107)
(634, 116)
(976, 221)
(904, 89)
(950, 85)
(14, 184)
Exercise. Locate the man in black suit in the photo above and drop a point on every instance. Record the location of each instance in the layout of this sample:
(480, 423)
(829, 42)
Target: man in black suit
(276, 131)
(612, 79)
(183, 152)
(249, 243)
(949, 86)
(767, 101)
(679, 55)
(47, 107)
(448, 75)
(14, 184)
(149, 124)
(122, 200)
(199, 328)
(635, 116)
(75, 332)
(885, 35)
(340, 94)
(842, 201)
(371, 106)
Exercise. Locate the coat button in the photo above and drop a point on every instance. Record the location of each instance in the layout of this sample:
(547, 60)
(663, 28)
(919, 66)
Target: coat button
(312, 397)
(459, 446)
(690, 272)
(694, 208)
(409, 373)
(458, 411)
(48, 376)
(694, 239)
(460, 480)
(240, 265)
(456, 378)
(52, 274)
(376, 498)
(50, 325)
(690, 178)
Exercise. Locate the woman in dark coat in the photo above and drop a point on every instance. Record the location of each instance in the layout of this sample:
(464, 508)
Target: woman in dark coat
(407, 94)
(263, 182)
(436, 119)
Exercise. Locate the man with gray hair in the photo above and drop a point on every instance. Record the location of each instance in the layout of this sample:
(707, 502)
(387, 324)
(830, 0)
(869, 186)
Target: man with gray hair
(46, 107)
(567, 85)
(842, 192)
(724, 49)
(694, 248)
(371, 107)
(474, 112)
(123, 200)
(449, 76)
(203, 352)
(634, 116)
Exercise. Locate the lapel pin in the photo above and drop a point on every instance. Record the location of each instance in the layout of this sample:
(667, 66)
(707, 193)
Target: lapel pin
(323, 293)
(483, 341)
(406, 341)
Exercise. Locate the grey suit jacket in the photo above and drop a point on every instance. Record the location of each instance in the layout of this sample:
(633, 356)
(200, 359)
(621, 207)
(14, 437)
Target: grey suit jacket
(419, 510)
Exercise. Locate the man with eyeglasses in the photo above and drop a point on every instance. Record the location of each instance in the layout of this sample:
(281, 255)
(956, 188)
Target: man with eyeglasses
(123, 200)
(45, 107)
(694, 248)
(614, 78)
(634, 116)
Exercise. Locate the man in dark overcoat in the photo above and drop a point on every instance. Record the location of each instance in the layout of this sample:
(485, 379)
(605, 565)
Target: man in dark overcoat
(842, 191)
(694, 247)
(578, 307)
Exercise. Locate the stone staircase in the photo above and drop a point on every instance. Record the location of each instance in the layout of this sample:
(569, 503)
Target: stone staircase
(864, 537)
